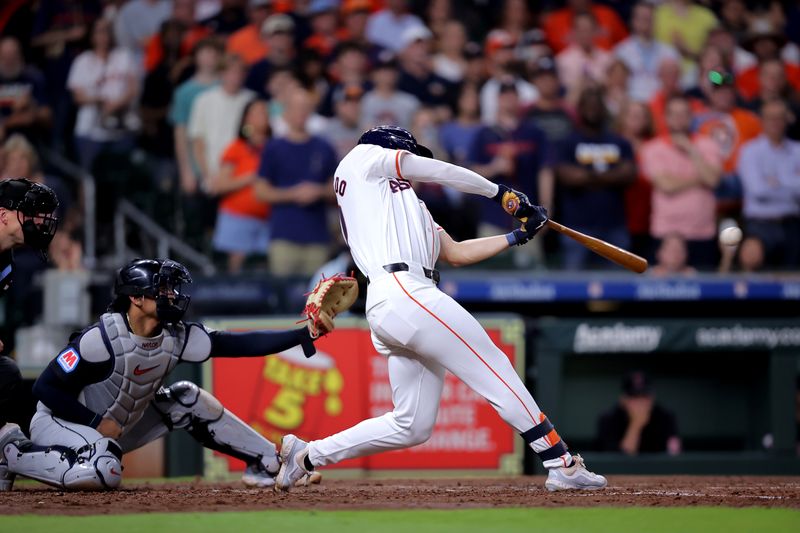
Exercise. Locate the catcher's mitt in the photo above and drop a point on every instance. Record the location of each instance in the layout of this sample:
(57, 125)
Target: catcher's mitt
(330, 297)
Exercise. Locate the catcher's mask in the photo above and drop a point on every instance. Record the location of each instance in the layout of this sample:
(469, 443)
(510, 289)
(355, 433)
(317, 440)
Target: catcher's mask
(396, 138)
(159, 279)
(35, 205)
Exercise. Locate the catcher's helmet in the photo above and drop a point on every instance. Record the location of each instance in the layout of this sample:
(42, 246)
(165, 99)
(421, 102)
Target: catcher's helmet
(35, 205)
(160, 279)
(394, 137)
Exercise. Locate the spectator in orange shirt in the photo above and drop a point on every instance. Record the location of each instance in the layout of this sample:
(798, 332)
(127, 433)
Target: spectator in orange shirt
(248, 43)
(192, 33)
(669, 73)
(242, 221)
(558, 25)
(766, 42)
(324, 20)
(582, 63)
(729, 126)
(774, 86)
(355, 14)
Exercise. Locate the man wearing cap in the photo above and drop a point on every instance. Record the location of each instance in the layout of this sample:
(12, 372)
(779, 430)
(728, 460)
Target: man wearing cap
(355, 14)
(549, 112)
(416, 70)
(385, 104)
(324, 21)
(248, 42)
(278, 30)
(344, 129)
(729, 126)
(512, 151)
(766, 43)
(637, 424)
(385, 27)
(27, 217)
(500, 56)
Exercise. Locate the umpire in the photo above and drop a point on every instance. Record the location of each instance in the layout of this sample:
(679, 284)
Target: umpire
(27, 217)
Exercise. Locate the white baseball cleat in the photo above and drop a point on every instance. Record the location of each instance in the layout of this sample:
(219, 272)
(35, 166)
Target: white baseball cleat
(293, 470)
(575, 477)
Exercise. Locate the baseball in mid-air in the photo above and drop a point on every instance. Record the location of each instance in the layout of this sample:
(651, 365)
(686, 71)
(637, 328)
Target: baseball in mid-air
(730, 236)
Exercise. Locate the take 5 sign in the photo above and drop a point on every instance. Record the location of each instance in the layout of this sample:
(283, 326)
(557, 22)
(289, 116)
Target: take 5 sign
(347, 382)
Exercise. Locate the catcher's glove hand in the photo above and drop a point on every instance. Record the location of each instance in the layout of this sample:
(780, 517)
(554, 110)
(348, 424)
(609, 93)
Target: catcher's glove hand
(330, 297)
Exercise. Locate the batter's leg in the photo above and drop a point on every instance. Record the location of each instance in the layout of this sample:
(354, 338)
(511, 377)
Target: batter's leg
(454, 339)
(416, 390)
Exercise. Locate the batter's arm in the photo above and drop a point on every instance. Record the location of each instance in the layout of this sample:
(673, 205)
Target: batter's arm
(427, 170)
(470, 251)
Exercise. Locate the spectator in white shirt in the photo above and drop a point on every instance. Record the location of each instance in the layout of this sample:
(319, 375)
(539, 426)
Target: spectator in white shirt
(500, 61)
(450, 63)
(215, 116)
(642, 54)
(385, 27)
(105, 85)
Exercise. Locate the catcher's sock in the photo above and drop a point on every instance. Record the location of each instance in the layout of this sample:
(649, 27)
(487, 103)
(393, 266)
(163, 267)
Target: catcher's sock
(307, 464)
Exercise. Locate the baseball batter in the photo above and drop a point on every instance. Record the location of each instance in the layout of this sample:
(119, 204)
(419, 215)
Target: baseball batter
(104, 394)
(423, 332)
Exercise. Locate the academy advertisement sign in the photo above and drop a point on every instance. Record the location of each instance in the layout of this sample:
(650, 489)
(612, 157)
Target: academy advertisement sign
(647, 336)
(346, 382)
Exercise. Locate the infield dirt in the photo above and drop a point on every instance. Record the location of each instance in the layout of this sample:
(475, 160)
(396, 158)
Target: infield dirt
(623, 491)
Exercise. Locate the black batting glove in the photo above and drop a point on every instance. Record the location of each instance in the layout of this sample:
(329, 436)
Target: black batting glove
(514, 202)
(529, 228)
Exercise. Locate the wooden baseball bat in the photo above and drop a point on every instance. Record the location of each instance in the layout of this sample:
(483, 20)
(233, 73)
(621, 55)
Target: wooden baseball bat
(623, 258)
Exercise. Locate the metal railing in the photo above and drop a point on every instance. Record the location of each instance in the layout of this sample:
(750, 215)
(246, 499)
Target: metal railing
(126, 211)
(165, 241)
(70, 170)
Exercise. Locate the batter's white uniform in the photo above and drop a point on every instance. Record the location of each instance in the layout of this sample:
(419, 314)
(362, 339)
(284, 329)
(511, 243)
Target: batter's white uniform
(421, 330)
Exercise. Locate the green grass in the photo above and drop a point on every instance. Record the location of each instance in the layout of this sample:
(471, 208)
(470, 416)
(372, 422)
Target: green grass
(561, 520)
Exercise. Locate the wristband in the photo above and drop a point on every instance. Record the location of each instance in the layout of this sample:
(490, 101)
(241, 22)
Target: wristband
(516, 237)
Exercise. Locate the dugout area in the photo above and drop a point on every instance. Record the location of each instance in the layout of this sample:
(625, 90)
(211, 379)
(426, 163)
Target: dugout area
(730, 382)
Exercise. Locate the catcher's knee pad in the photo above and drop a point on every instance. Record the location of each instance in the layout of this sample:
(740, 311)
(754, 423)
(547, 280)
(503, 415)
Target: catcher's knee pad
(95, 466)
(187, 406)
(184, 404)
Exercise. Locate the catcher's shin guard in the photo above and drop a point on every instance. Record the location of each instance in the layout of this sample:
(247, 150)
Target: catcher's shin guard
(92, 467)
(187, 406)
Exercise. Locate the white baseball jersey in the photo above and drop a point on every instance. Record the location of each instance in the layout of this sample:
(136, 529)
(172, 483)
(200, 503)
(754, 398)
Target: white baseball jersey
(421, 330)
(382, 219)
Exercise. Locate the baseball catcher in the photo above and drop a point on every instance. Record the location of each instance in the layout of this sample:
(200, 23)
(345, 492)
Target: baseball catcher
(104, 394)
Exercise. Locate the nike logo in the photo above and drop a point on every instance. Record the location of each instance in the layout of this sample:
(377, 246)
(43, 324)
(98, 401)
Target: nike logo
(114, 472)
(140, 371)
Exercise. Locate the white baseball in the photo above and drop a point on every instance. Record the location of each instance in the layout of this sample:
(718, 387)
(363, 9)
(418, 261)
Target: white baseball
(730, 236)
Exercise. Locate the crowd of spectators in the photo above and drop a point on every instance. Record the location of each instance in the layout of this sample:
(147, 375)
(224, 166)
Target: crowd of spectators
(641, 122)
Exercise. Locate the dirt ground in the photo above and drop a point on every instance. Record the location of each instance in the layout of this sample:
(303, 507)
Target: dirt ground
(133, 497)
